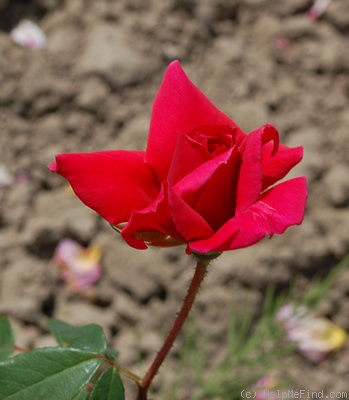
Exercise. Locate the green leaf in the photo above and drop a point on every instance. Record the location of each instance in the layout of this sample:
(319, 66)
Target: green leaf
(87, 337)
(82, 395)
(48, 373)
(108, 387)
(7, 340)
(111, 353)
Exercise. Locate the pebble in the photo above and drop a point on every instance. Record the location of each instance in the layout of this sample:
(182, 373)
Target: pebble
(123, 269)
(134, 135)
(22, 289)
(337, 186)
(312, 164)
(250, 115)
(108, 54)
(58, 216)
(93, 95)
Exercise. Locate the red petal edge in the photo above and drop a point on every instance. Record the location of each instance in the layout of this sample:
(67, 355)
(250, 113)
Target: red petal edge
(113, 183)
(178, 107)
(276, 210)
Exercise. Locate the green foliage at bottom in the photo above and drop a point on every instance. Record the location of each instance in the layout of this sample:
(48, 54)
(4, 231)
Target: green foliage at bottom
(108, 387)
(47, 373)
(6, 338)
(83, 369)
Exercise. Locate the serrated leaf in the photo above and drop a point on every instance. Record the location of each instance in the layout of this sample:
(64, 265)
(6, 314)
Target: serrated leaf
(108, 387)
(48, 373)
(87, 337)
(7, 340)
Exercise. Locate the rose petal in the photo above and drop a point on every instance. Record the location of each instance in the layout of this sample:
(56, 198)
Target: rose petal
(191, 186)
(187, 156)
(155, 218)
(251, 170)
(113, 183)
(179, 107)
(189, 223)
(217, 201)
(210, 189)
(277, 166)
(199, 146)
(276, 210)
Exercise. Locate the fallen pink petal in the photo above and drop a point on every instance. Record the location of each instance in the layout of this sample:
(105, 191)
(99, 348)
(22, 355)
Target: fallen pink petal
(79, 266)
(316, 338)
(317, 9)
(28, 35)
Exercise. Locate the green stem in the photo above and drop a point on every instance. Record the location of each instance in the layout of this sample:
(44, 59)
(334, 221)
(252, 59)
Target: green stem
(128, 374)
(122, 370)
(200, 272)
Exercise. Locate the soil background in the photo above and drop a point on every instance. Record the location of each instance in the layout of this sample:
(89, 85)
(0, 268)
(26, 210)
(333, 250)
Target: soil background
(92, 88)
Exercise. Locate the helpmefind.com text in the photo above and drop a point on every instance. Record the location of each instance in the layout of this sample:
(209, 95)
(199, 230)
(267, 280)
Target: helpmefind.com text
(292, 394)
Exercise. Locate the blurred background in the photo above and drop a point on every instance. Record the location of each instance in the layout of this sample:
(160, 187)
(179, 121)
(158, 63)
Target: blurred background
(82, 77)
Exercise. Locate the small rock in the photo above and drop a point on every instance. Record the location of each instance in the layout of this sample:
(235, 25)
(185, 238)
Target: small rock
(338, 14)
(23, 289)
(126, 308)
(15, 205)
(45, 341)
(127, 343)
(134, 135)
(124, 270)
(337, 186)
(92, 95)
(142, 274)
(48, 5)
(150, 343)
(312, 164)
(108, 54)
(80, 313)
(42, 89)
(282, 8)
(296, 28)
(228, 48)
(58, 214)
(64, 42)
(24, 334)
(250, 115)
(341, 318)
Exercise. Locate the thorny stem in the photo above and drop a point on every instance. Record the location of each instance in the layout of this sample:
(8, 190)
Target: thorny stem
(200, 272)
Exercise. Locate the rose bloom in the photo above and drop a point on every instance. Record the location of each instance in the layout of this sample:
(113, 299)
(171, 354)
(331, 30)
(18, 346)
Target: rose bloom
(201, 181)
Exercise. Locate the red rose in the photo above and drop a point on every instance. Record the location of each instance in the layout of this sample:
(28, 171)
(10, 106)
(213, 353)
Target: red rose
(201, 181)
